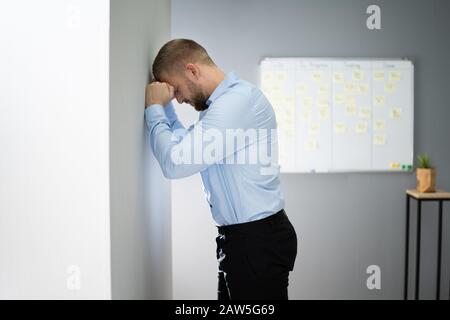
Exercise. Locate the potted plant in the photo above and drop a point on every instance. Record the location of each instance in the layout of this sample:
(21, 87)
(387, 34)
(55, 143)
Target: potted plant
(425, 174)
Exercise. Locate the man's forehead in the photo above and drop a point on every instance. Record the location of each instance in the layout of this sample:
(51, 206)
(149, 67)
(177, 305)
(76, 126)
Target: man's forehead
(172, 79)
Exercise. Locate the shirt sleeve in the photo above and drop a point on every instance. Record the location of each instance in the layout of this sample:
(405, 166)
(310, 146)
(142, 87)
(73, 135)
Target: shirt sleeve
(174, 123)
(203, 144)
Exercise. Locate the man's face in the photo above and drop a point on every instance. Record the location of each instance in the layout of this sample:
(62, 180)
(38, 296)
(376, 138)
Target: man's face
(186, 91)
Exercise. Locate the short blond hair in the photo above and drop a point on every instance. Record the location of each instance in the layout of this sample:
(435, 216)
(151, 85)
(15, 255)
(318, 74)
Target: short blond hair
(175, 54)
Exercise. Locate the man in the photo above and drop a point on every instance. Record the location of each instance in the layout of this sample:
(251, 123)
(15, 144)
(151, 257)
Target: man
(256, 245)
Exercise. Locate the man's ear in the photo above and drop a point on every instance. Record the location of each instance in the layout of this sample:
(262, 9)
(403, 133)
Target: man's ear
(192, 71)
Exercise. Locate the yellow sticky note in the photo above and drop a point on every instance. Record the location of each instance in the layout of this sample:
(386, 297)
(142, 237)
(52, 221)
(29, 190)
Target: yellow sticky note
(322, 103)
(301, 88)
(324, 113)
(317, 76)
(340, 128)
(363, 89)
(280, 76)
(289, 100)
(267, 76)
(350, 110)
(389, 87)
(306, 114)
(379, 124)
(358, 75)
(379, 139)
(361, 128)
(378, 75)
(314, 129)
(338, 77)
(379, 100)
(394, 76)
(289, 112)
(395, 113)
(394, 165)
(350, 88)
(310, 144)
(350, 100)
(307, 101)
(276, 88)
(339, 99)
(323, 89)
(365, 112)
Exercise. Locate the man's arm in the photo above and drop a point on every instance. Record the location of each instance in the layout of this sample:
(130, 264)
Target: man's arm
(165, 129)
(190, 153)
(174, 123)
(167, 144)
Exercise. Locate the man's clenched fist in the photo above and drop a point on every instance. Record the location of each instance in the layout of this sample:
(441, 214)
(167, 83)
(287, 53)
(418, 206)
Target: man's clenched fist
(158, 93)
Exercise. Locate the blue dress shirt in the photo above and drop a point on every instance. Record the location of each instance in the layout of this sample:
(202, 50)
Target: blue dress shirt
(237, 191)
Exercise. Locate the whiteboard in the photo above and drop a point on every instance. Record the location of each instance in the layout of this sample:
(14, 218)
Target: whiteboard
(337, 115)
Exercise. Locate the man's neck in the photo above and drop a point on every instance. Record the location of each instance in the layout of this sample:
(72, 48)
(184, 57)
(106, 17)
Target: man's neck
(217, 77)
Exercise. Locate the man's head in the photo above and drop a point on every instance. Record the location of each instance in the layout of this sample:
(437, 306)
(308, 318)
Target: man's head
(185, 65)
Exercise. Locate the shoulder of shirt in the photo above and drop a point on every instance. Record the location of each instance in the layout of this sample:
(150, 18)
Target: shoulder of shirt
(242, 88)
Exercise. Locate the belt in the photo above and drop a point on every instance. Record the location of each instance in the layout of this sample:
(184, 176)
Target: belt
(270, 220)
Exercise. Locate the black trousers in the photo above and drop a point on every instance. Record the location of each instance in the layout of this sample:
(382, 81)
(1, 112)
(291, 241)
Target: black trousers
(255, 258)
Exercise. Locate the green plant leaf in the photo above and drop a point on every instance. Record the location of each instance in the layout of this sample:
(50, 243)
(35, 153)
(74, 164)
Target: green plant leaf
(424, 161)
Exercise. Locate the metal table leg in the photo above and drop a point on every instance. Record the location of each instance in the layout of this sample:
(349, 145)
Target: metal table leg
(405, 290)
(419, 214)
(438, 280)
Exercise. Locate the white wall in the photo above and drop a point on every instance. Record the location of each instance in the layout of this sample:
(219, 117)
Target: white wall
(140, 195)
(54, 173)
(73, 152)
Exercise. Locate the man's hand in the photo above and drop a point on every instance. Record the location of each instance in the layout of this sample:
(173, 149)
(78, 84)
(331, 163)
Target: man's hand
(158, 93)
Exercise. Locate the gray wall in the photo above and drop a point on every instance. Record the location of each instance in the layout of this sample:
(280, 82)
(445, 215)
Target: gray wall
(54, 173)
(140, 196)
(347, 221)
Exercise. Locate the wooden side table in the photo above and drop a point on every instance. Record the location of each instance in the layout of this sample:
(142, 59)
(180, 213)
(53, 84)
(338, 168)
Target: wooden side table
(439, 196)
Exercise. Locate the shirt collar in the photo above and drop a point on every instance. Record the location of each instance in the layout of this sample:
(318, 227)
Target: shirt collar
(230, 79)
